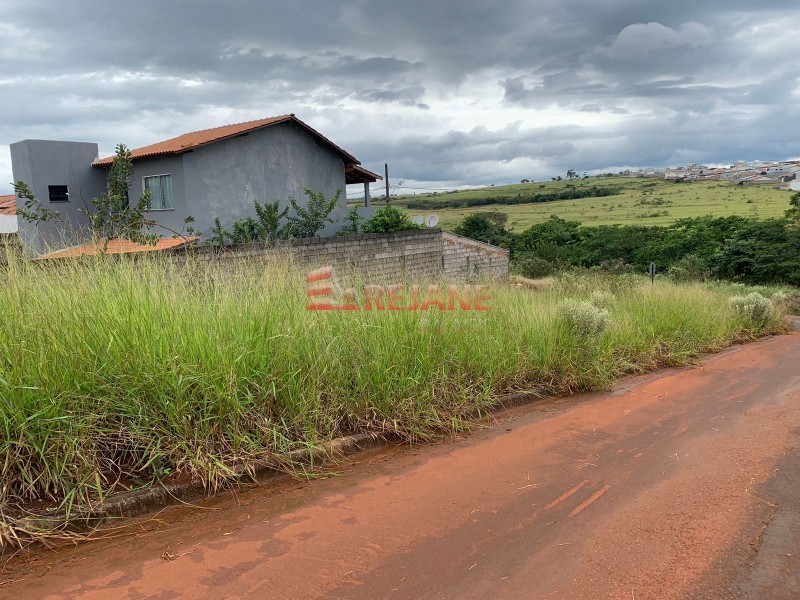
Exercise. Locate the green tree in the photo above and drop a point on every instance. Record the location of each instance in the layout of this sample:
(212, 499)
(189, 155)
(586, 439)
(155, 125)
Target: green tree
(32, 210)
(793, 214)
(309, 219)
(112, 214)
(245, 231)
(388, 220)
(486, 227)
(269, 219)
(218, 234)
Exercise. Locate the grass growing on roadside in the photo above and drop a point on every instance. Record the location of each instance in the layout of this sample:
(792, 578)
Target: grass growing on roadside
(115, 373)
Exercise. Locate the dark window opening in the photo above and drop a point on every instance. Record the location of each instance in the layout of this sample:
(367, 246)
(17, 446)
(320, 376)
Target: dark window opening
(58, 193)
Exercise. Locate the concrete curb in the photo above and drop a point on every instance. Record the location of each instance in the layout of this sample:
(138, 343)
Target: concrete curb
(148, 500)
(144, 501)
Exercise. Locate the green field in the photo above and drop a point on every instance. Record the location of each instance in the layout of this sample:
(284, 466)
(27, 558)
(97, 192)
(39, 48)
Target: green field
(642, 201)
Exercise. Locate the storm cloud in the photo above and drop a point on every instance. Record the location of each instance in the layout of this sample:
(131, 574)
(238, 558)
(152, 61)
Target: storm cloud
(449, 93)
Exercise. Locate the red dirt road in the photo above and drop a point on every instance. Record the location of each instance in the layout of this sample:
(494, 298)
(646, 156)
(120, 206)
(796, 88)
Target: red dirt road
(682, 484)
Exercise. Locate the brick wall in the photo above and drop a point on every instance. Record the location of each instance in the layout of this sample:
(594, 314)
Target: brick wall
(465, 258)
(379, 257)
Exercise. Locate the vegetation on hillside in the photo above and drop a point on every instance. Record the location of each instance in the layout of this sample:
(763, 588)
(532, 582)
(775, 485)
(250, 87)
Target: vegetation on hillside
(733, 248)
(572, 193)
(639, 202)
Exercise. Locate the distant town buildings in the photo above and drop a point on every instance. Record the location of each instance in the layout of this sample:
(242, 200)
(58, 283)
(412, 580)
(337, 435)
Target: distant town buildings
(782, 175)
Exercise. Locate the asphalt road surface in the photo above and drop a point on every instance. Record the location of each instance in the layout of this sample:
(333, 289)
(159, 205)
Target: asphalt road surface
(682, 484)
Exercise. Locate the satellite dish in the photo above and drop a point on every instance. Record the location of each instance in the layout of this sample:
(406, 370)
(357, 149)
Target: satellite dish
(433, 220)
(419, 219)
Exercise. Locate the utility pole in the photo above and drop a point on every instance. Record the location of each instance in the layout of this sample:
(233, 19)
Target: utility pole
(386, 178)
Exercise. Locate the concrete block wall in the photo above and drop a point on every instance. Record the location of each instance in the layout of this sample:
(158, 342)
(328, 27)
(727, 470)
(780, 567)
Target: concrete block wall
(464, 258)
(375, 257)
(378, 258)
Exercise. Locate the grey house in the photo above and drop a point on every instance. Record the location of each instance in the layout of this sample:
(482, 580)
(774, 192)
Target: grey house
(206, 174)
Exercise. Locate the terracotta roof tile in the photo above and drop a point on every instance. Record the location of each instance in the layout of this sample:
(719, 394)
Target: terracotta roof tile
(8, 205)
(189, 141)
(120, 246)
(357, 174)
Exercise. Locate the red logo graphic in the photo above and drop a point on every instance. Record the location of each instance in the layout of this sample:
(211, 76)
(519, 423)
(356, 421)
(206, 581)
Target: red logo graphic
(324, 293)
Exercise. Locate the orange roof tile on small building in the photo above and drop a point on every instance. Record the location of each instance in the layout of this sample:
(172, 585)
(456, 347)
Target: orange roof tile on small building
(120, 246)
(8, 205)
(357, 174)
(190, 141)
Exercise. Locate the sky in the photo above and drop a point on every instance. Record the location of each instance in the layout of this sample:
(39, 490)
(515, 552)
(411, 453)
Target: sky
(450, 93)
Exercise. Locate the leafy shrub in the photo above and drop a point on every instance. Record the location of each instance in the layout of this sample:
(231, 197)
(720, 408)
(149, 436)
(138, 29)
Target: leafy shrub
(786, 303)
(793, 214)
(601, 298)
(532, 266)
(244, 231)
(733, 248)
(265, 226)
(354, 223)
(690, 268)
(309, 219)
(754, 307)
(388, 220)
(584, 318)
(486, 227)
(616, 266)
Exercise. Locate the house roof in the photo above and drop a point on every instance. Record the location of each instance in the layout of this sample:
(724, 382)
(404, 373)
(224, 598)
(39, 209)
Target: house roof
(190, 141)
(358, 174)
(8, 205)
(120, 246)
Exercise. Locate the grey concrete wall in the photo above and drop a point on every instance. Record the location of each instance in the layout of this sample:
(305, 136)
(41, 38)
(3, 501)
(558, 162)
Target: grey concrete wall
(41, 163)
(223, 179)
(467, 258)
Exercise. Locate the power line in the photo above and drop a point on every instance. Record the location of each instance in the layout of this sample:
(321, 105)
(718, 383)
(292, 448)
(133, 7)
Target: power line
(402, 188)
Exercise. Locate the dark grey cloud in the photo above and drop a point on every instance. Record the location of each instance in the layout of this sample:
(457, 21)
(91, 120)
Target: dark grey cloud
(408, 96)
(453, 91)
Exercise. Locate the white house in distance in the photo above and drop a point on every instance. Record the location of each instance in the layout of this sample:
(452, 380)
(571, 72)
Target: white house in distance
(8, 215)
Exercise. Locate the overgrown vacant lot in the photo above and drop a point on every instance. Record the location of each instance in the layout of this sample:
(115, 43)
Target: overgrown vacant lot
(640, 202)
(115, 373)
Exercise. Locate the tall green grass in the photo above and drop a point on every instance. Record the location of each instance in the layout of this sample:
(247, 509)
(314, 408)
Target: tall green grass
(115, 373)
